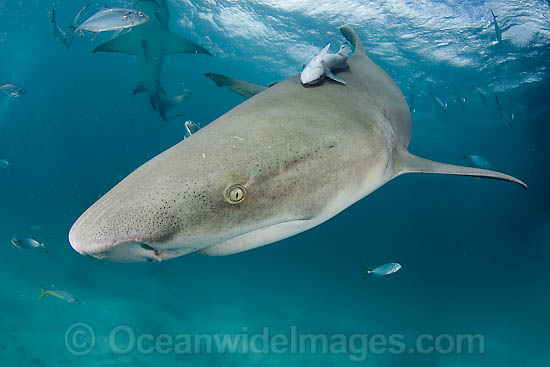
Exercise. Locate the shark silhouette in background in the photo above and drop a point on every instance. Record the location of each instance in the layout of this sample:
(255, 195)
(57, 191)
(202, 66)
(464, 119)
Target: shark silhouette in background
(150, 43)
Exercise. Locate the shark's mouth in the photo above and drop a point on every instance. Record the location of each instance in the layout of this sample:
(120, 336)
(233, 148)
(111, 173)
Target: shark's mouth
(139, 251)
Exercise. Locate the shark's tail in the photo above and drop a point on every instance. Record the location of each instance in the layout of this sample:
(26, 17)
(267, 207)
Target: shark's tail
(165, 105)
(44, 291)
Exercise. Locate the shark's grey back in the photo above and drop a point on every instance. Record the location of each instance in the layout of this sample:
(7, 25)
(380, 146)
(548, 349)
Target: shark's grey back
(381, 92)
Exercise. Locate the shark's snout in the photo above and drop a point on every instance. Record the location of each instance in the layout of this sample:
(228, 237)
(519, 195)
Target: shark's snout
(127, 250)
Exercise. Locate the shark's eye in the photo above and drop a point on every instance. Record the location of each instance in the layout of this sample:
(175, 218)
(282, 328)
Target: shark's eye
(235, 194)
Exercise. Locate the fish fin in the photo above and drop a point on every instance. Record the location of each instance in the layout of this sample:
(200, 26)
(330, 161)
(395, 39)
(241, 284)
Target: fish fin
(139, 88)
(241, 87)
(52, 16)
(171, 102)
(324, 51)
(153, 102)
(44, 291)
(157, 15)
(125, 43)
(43, 244)
(350, 35)
(77, 17)
(330, 75)
(405, 162)
(175, 44)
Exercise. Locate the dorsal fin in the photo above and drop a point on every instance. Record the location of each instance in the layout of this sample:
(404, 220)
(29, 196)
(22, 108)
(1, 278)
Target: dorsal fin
(324, 51)
(352, 37)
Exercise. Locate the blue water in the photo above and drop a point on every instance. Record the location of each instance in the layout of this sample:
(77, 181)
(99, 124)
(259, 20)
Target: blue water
(475, 253)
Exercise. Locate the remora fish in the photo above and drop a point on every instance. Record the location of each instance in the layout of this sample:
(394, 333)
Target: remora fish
(302, 156)
(112, 19)
(151, 42)
(323, 65)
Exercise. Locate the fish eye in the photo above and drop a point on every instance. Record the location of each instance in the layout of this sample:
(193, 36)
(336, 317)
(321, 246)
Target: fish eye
(140, 13)
(235, 194)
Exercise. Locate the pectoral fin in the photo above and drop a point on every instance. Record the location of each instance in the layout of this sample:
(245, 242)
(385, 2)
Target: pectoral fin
(241, 87)
(330, 75)
(405, 162)
(125, 43)
(174, 44)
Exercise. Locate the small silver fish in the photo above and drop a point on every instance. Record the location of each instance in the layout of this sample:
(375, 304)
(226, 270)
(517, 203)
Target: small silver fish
(443, 105)
(383, 270)
(461, 99)
(481, 94)
(27, 243)
(4, 163)
(112, 19)
(479, 161)
(12, 90)
(64, 295)
(508, 118)
(58, 33)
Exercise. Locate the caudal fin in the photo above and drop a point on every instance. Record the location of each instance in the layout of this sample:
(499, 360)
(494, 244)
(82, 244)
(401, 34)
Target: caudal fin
(408, 163)
(44, 291)
(43, 244)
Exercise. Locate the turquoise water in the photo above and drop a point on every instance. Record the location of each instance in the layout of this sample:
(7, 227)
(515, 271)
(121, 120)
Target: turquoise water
(474, 252)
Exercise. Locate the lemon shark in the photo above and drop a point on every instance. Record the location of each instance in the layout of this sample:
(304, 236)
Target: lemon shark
(283, 161)
(150, 42)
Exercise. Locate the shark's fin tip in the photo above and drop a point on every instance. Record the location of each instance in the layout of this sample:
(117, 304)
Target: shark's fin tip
(409, 163)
